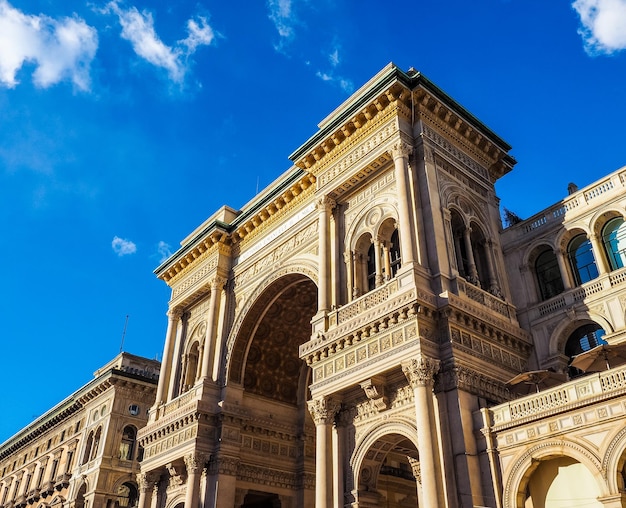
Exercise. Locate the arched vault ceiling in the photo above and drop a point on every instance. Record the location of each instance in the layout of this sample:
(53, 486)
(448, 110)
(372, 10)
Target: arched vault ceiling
(280, 322)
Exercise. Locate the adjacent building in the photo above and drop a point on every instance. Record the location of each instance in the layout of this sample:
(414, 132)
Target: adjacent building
(84, 451)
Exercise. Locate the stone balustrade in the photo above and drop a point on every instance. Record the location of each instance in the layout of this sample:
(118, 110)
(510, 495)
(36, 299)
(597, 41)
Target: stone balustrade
(586, 389)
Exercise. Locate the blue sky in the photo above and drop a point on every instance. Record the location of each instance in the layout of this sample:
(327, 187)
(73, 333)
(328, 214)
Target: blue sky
(123, 125)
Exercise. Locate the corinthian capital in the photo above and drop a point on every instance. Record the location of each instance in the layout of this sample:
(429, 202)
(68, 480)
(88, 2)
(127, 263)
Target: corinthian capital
(325, 203)
(193, 461)
(401, 149)
(421, 371)
(323, 410)
(175, 314)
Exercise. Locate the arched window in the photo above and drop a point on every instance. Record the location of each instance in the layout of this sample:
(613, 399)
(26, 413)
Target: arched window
(583, 339)
(458, 229)
(581, 259)
(480, 252)
(127, 444)
(614, 239)
(548, 275)
(394, 253)
(88, 446)
(96, 443)
(191, 366)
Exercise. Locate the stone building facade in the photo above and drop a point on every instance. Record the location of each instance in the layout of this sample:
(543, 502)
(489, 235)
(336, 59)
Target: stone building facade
(347, 338)
(84, 451)
(332, 342)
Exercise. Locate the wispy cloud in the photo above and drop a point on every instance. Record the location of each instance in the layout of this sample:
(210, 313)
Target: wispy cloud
(138, 29)
(345, 84)
(282, 15)
(603, 25)
(60, 48)
(164, 250)
(123, 247)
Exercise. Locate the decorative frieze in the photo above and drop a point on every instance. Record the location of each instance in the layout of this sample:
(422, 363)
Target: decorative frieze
(277, 255)
(455, 152)
(359, 351)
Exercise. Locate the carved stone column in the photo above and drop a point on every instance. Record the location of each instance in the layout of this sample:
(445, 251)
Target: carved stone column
(378, 261)
(400, 153)
(324, 207)
(494, 288)
(598, 254)
(347, 257)
(193, 465)
(420, 373)
(473, 274)
(146, 483)
(209, 347)
(417, 474)
(560, 259)
(387, 260)
(323, 411)
(173, 316)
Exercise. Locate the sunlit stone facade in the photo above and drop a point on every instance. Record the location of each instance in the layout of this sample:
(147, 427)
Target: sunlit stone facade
(333, 342)
(346, 338)
(83, 452)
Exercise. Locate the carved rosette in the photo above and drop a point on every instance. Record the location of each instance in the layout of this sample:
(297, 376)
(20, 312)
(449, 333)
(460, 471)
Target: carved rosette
(323, 410)
(401, 149)
(421, 371)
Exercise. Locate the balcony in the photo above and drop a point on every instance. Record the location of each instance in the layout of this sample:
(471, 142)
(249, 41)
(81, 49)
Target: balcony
(62, 481)
(585, 390)
(596, 289)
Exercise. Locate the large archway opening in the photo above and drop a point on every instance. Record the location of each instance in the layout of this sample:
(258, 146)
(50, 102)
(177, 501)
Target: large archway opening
(266, 363)
(561, 482)
(389, 473)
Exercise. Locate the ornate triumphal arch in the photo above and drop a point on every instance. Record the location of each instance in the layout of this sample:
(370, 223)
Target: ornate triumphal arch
(330, 343)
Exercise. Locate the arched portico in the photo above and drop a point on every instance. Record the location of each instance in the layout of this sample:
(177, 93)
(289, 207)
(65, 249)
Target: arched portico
(385, 467)
(268, 381)
(540, 477)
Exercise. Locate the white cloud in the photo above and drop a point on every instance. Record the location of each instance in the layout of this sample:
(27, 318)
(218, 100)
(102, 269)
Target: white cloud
(333, 58)
(138, 29)
(123, 247)
(200, 34)
(283, 17)
(603, 25)
(345, 84)
(60, 49)
(164, 250)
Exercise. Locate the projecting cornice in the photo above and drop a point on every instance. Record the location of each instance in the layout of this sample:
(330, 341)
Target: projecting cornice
(221, 236)
(411, 96)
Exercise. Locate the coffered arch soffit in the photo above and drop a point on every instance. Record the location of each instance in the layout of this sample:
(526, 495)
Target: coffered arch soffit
(255, 307)
(392, 433)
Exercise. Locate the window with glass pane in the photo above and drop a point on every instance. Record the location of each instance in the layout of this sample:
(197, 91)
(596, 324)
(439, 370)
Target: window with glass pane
(548, 275)
(582, 260)
(614, 238)
(583, 339)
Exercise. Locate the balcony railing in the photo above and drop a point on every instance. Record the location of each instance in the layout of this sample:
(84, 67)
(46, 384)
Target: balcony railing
(586, 291)
(578, 201)
(591, 388)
